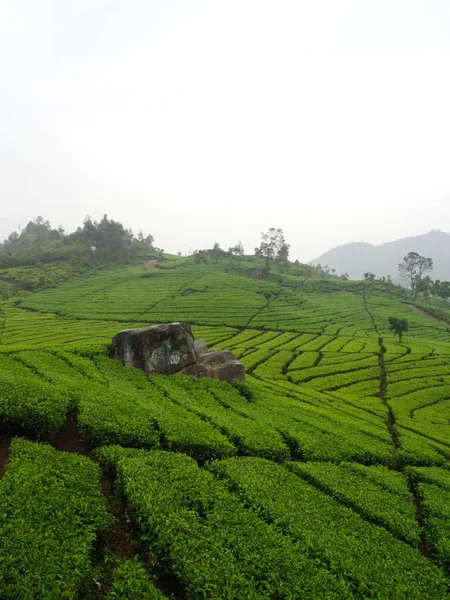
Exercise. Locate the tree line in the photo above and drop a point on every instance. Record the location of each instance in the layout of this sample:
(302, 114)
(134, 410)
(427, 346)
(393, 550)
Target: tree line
(413, 269)
(104, 241)
(273, 250)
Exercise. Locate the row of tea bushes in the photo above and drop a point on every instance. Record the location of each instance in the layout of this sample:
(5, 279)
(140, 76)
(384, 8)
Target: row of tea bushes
(373, 499)
(379, 565)
(249, 433)
(214, 545)
(52, 510)
(132, 582)
(432, 485)
(28, 401)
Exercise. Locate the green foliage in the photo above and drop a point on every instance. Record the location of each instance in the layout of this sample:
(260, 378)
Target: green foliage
(207, 537)
(105, 240)
(179, 429)
(131, 582)
(109, 456)
(52, 510)
(434, 475)
(216, 403)
(273, 246)
(372, 498)
(42, 275)
(433, 487)
(316, 352)
(369, 276)
(398, 325)
(379, 565)
(29, 402)
(413, 268)
(244, 389)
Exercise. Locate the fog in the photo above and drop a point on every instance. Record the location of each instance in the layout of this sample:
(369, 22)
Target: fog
(212, 120)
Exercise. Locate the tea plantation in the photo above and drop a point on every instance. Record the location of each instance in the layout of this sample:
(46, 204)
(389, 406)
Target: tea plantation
(325, 475)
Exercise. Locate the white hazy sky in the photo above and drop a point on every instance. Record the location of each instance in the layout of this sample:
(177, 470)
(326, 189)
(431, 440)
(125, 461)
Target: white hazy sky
(212, 120)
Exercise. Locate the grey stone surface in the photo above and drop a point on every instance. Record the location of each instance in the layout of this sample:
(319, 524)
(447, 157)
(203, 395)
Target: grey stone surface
(256, 273)
(227, 371)
(162, 349)
(196, 371)
(200, 346)
(217, 357)
(170, 348)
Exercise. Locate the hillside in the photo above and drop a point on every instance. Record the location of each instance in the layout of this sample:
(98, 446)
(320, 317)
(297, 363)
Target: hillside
(359, 257)
(326, 475)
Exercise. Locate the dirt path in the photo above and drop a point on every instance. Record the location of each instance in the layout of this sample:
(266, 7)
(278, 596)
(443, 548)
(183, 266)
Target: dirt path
(5, 443)
(421, 311)
(69, 438)
(153, 263)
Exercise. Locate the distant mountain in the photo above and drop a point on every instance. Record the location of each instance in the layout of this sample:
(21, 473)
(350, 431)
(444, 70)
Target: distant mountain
(360, 257)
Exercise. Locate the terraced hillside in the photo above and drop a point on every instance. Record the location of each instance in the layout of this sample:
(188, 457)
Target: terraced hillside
(326, 475)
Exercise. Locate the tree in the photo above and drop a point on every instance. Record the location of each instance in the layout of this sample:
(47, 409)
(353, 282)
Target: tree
(398, 326)
(424, 287)
(369, 276)
(200, 256)
(272, 242)
(413, 268)
(237, 250)
(442, 290)
(216, 252)
(318, 271)
(110, 238)
(106, 240)
(283, 253)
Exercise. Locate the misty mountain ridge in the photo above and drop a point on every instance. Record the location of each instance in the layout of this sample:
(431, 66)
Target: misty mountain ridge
(357, 258)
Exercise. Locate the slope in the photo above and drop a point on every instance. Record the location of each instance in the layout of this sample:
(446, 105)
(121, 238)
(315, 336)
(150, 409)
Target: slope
(220, 490)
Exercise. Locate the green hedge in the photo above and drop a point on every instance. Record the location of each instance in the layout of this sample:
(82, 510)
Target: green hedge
(214, 545)
(52, 509)
(222, 405)
(378, 565)
(393, 510)
(28, 401)
(131, 582)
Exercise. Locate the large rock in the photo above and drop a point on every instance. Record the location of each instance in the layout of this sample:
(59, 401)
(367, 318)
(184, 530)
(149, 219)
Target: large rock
(217, 357)
(200, 346)
(256, 273)
(196, 370)
(162, 349)
(170, 348)
(227, 371)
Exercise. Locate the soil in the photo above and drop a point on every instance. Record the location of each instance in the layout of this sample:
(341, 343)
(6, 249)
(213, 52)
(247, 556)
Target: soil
(427, 314)
(120, 535)
(69, 438)
(424, 545)
(153, 263)
(5, 443)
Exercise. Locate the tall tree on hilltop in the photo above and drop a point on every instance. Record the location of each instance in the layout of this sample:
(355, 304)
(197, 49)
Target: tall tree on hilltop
(413, 268)
(110, 238)
(272, 246)
(369, 276)
(216, 252)
(237, 250)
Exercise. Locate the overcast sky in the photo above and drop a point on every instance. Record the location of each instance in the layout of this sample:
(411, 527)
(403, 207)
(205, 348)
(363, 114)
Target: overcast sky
(212, 120)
